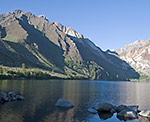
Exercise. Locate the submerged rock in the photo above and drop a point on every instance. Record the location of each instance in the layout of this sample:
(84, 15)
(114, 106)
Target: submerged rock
(91, 110)
(145, 113)
(64, 103)
(105, 107)
(127, 114)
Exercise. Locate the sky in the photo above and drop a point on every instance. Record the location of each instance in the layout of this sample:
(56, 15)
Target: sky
(110, 24)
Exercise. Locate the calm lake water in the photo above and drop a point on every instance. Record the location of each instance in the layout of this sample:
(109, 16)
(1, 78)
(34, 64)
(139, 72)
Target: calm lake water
(41, 96)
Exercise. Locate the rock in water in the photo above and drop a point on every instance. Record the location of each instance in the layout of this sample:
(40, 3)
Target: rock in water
(120, 108)
(10, 96)
(127, 114)
(64, 103)
(91, 110)
(105, 115)
(4, 97)
(145, 113)
(105, 107)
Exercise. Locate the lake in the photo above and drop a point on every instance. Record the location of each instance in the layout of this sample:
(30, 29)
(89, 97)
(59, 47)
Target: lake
(41, 96)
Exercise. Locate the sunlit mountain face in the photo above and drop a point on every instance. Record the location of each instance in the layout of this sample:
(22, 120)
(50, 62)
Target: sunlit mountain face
(137, 54)
(39, 43)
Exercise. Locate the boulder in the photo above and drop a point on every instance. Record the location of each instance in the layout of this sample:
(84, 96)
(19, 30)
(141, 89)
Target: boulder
(4, 97)
(10, 96)
(145, 113)
(105, 107)
(3, 94)
(64, 103)
(105, 115)
(127, 114)
(120, 108)
(130, 107)
(91, 110)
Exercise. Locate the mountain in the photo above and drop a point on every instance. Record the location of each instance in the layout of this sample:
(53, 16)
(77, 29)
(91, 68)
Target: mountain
(37, 42)
(137, 55)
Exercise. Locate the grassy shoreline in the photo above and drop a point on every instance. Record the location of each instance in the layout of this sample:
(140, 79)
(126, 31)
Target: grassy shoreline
(19, 73)
(7, 73)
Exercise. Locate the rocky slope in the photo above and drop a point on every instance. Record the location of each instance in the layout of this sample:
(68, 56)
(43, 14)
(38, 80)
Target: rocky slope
(137, 55)
(37, 42)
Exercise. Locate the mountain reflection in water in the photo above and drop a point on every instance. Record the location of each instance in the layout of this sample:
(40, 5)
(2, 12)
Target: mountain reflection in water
(41, 96)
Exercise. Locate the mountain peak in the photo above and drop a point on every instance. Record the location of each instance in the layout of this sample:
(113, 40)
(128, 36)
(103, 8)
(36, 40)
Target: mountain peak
(43, 16)
(17, 11)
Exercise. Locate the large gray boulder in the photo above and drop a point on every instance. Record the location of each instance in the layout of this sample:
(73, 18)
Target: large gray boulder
(64, 103)
(145, 113)
(105, 107)
(127, 114)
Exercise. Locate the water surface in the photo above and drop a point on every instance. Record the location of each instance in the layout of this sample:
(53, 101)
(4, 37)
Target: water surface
(41, 96)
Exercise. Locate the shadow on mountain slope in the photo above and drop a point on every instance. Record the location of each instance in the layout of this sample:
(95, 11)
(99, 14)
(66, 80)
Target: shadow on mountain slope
(2, 32)
(45, 47)
(111, 63)
(14, 54)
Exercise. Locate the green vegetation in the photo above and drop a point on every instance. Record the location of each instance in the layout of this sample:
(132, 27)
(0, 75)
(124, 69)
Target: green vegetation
(142, 78)
(34, 73)
(16, 73)
(88, 68)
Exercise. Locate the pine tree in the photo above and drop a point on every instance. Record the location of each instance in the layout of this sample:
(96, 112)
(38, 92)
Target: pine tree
(23, 68)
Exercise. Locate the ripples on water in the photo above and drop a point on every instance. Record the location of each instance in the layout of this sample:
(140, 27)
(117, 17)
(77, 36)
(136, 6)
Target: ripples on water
(41, 96)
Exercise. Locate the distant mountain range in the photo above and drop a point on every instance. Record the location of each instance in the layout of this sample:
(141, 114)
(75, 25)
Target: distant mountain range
(137, 55)
(37, 42)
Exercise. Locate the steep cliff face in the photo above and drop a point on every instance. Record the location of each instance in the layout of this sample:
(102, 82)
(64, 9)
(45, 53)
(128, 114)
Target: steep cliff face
(37, 42)
(137, 55)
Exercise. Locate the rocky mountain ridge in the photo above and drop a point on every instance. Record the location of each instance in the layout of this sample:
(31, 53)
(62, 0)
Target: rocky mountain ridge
(137, 54)
(37, 42)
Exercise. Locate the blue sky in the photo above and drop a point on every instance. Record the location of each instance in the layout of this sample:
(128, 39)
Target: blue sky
(108, 23)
